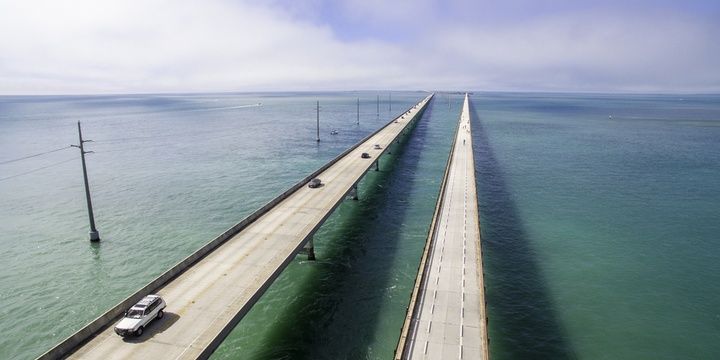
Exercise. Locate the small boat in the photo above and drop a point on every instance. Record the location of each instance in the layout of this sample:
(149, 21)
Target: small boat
(334, 132)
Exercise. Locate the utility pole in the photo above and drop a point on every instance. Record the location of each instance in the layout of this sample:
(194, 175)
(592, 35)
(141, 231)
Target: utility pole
(94, 234)
(318, 121)
(358, 111)
(378, 106)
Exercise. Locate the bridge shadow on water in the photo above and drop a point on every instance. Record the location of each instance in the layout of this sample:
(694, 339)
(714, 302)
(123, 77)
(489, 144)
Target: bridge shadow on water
(522, 319)
(336, 311)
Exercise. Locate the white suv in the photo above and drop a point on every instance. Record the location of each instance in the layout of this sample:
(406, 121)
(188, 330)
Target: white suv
(146, 310)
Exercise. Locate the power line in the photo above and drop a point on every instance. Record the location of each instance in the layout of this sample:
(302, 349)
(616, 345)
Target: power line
(337, 108)
(171, 136)
(35, 170)
(34, 155)
(166, 142)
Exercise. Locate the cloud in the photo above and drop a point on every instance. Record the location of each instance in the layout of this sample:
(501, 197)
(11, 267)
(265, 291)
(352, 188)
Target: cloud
(608, 51)
(121, 46)
(156, 45)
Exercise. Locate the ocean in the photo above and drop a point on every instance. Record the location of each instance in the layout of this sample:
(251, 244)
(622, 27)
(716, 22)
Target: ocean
(599, 216)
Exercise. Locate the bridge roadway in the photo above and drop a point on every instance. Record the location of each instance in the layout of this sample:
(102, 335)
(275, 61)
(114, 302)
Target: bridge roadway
(208, 299)
(446, 317)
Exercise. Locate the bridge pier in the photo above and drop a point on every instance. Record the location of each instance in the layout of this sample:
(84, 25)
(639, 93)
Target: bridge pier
(309, 249)
(353, 192)
(377, 165)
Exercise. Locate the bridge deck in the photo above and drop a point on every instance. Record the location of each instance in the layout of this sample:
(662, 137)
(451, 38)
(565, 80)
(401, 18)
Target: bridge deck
(447, 317)
(207, 300)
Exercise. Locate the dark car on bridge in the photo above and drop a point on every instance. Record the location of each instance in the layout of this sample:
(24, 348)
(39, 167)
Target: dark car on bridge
(315, 183)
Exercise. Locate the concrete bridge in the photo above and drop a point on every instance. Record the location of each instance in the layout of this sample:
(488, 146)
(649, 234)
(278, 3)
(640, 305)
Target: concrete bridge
(446, 317)
(210, 291)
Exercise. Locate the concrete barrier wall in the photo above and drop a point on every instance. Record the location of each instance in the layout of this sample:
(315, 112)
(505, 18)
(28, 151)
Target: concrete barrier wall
(81, 336)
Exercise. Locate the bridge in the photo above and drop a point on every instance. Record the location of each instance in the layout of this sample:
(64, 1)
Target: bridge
(210, 291)
(446, 317)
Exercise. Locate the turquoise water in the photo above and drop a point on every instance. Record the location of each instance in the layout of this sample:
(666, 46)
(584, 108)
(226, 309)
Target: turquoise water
(600, 234)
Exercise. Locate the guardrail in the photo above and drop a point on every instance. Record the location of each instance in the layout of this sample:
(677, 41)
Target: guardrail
(68, 345)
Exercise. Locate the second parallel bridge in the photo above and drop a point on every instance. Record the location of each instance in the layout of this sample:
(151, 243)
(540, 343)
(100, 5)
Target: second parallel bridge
(208, 293)
(446, 318)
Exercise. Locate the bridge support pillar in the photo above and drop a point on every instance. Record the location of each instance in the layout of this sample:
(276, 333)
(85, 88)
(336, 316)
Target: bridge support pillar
(354, 192)
(377, 165)
(309, 249)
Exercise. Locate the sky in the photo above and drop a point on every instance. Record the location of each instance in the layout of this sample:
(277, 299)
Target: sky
(158, 46)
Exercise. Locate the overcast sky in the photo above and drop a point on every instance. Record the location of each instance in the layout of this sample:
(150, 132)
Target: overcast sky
(140, 46)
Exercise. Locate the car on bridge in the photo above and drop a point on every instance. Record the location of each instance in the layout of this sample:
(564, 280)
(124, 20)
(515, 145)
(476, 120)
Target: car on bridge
(315, 183)
(365, 156)
(140, 315)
